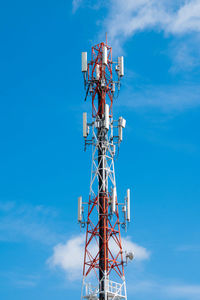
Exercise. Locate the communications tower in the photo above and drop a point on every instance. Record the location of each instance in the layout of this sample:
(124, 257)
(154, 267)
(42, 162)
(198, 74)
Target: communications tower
(104, 258)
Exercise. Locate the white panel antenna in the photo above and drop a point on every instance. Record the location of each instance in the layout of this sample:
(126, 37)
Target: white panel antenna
(105, 55)
(97, 72)
(114, 199)
(113, 87)
(128, 205)
(122, 122)
(85, 127)
(121, 66)
(80, 209)
(91, 88)
(120, 133)
(84, 61)
(107, 119)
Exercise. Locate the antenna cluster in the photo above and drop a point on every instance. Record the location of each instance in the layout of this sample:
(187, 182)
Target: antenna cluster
(115, 136)
(112, 205)
(98, 80)
(91, 79)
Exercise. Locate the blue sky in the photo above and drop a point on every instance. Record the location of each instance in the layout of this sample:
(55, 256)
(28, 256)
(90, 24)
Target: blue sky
(44, 168)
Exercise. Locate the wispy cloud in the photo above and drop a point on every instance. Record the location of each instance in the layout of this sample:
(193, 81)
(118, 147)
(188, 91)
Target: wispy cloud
(175, 18)
(127, 18)
(23, 283)
(69, 256)
(26, 222)
(165, 290)
(184, 53)
(167, 98)
(188, 248)
(6, 206)
(76, 4)
(179, 20)
(185, 19)
(184, 291)
(19, 280)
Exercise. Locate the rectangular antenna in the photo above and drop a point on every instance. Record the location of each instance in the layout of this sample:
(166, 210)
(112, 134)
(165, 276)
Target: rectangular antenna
(122, 122)
(114, 198)
(120, 133)
(113, 87)
(121, 66)
(85, 129)
(84, 61)
(80, 209)
(107, 119)
(97, 72)
(105, 55)
(128, 206)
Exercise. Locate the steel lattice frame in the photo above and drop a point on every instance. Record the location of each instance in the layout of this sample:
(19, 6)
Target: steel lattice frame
(103, 248)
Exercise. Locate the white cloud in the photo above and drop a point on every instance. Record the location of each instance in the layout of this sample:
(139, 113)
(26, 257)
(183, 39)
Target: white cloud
(76, 4)
(26, 222)
(164, 290)
(128, 17)
(177, 18)
(20, 279)
(166, 98)
(140, 253)
(143, 286)
(90, 4)
(69, 256)
(184, 291)
(185, 53)
(186, 19)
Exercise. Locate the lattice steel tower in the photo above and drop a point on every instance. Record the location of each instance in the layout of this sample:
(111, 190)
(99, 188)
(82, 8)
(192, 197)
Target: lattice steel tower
(104, 258)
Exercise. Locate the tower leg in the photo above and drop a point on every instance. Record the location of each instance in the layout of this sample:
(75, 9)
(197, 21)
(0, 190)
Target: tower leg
(103, 205)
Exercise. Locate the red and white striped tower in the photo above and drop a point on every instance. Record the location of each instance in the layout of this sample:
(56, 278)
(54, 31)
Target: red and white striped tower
(104, 259)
